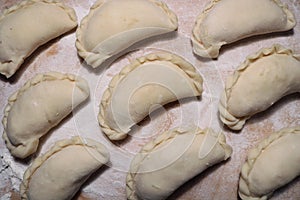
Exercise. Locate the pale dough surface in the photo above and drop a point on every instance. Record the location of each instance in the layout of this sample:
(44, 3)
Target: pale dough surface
(259, 82)
(114, 25)
(172, 159)
(271, 165)
(219, 182)
(28, 25)
(142, 86)
(39, 106)
(226, 21)
(61, 171)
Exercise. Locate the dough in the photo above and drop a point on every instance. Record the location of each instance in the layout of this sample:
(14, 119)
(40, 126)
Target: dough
(60, 172)
(114, 25)
(37, 107)
(271, 165)
(258, 83)
(28, 25)
(226, 21)
(153, 80)
(173, 158)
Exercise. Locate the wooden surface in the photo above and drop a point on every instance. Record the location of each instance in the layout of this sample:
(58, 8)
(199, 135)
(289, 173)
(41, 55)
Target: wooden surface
(220, 181)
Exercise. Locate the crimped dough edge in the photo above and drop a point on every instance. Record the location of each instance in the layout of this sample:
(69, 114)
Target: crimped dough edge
(212, 51)
(244, 191)
(159, 141)
(23, 150)
(182, 64)
(59, 146)
(226, 117)
(96, 59)
(6, 68)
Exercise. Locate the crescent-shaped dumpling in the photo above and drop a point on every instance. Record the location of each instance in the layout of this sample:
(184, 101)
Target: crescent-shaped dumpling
(114, 25)
(173, 158)
(258, 83)
(60, 172)
(149, 81)
(271, 165)
(226, 21)
(28, 25)
(37, 107)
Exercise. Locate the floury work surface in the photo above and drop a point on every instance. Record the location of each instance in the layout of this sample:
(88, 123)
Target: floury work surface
(218, 182)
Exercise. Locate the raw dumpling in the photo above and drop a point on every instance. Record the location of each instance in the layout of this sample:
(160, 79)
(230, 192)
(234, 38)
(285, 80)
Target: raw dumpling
(114, 25)
(226, 21)
(260, 81)
(149, 81)
(39, 106)
(60, 172)
(28, 25)
(173, 158)
(271, 165)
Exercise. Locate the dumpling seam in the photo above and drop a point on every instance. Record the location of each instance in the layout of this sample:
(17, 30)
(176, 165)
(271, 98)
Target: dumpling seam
(59, 146)
(26, 3)
(161, 139)
(199, 20)
(71, 13)
(79, 33)
(196, 38)
(106, 99)
(232, 81)
(255, 153)
(141, 156)
(50, 76)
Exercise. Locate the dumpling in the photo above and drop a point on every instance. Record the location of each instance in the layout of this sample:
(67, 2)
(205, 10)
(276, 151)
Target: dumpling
(114, 25)
(37, 107)
(173, 158)
(224, 22)
(28, 25)
(258, 83)
(60, 172)
(155, 79)
(271, 165)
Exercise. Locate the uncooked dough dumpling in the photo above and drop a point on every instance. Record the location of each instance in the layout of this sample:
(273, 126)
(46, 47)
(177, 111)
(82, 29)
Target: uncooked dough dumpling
(60, 172)
(114, 25)
(273, 163)
(28, 25)
(38, 106)
(173, 158)
(152, 80)
(263, 79)
(226, 21)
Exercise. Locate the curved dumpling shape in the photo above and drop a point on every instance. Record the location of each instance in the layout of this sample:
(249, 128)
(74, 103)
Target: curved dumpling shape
(173, 158)
(271, 165)
(113, 25)
(60, 172)
(220, 24)
(37, 107)
(149, 81)
(258, 83)
(28, 25)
